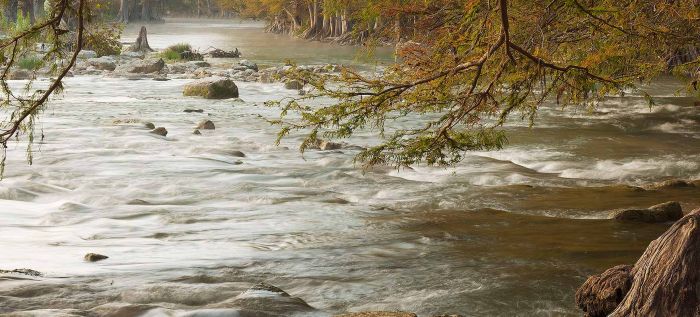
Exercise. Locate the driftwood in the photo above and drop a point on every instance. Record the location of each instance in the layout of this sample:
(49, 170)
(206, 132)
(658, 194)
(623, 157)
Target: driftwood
(664, 282)
(219, 53)
(141, 44)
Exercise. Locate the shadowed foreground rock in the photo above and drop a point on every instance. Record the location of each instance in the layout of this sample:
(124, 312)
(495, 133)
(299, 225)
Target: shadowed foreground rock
(664, 282)
(600, 294)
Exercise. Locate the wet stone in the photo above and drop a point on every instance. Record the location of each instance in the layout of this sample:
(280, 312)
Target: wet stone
(94, 257)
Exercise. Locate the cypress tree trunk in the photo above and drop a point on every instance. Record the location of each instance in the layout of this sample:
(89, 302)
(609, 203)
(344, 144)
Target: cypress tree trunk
(664, 282)
(10, 11)
(124, 10)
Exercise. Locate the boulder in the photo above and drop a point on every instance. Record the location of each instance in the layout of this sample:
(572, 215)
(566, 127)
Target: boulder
(132, 55)
(149, 125)
(206, 125)
(670, 211)
(94, 257)
(20, 74)
(212, 89)
(248, 64)
(142, 66)
(294, 85)
(103, 63)
(600, 294)
(160, 131)
(87, 54)
(324, 145)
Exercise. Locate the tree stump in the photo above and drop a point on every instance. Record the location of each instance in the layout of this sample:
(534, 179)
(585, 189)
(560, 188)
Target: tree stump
(664, 282)
(141, 44)
(666, 279)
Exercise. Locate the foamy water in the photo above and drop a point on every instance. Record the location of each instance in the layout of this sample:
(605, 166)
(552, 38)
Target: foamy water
(187, 224)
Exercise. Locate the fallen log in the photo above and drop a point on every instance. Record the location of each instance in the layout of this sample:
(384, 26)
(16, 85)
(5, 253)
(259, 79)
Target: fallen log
(665, 281)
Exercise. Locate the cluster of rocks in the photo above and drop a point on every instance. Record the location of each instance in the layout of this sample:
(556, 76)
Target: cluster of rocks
(137, 65)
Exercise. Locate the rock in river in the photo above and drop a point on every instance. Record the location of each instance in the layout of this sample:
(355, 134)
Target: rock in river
(142, 66)
(206, 125)
(600, 294)
(294, 85)
(212, 89)
(265, 300)
(149, 125)
(94, 257)
(160, 131)
(670, 211)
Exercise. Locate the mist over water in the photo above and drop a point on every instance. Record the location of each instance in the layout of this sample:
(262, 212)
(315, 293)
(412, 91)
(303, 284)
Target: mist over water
(187, 224)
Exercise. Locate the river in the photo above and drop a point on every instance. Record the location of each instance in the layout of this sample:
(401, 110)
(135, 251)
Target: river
(186, 224)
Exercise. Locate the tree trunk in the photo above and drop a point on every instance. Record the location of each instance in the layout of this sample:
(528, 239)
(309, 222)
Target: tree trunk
(10, 11)
(664, 282)
(667, 276)
(141, 44)
(38, 9)
(146, 10)
(124, 10)
(28, 10)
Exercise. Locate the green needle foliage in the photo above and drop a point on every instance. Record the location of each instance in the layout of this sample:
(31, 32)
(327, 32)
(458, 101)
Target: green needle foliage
(472, 65)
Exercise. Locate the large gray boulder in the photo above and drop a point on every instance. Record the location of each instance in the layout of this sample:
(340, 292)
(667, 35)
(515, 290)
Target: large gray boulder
(670, 211)
(103, 63)
(212, 89)
(147, 66)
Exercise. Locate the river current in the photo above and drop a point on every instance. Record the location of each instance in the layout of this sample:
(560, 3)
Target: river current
(187, 224)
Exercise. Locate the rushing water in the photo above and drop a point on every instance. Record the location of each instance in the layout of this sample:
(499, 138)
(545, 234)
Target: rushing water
(187, 224)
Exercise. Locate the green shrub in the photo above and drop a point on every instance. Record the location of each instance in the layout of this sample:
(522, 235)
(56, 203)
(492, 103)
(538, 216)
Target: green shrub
(30, 63)
(173, 52)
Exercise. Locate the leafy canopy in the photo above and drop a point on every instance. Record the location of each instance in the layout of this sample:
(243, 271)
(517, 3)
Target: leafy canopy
(471, 65)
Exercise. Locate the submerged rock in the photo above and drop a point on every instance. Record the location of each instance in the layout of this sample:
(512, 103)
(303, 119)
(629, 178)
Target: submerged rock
(160, 131)
(196, 132)
(324, 145)
(237, 153)
(378, 314)
(212, 89)
(149, 125)
(600, 294)
(29, 272)
(672, 183)
(206, 125)
(94, 257)
(266, 300)
(194, 110)
(670, 211)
